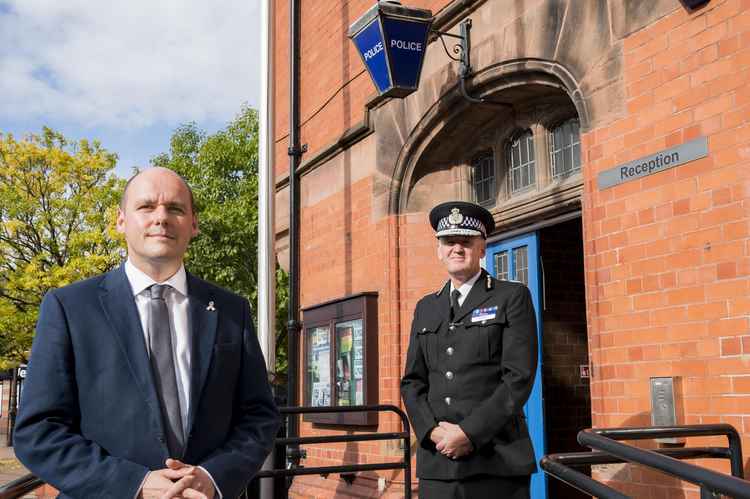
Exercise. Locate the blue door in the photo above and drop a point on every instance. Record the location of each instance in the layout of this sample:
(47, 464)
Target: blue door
(517, 259)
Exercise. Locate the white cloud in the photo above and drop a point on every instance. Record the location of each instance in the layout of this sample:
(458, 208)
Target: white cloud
(127, 65)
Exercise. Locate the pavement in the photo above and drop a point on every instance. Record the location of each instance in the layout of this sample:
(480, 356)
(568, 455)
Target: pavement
(10, 468)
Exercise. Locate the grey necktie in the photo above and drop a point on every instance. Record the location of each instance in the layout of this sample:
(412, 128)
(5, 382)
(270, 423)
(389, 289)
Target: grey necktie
(162, 364)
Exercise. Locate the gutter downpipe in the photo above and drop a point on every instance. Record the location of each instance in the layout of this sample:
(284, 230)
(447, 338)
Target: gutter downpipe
(266, 228)
(295, 154)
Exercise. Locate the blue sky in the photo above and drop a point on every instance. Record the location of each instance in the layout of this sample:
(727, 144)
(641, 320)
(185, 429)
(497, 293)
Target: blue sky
(126, 73)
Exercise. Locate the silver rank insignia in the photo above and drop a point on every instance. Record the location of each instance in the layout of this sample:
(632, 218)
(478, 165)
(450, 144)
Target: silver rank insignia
(455, 218)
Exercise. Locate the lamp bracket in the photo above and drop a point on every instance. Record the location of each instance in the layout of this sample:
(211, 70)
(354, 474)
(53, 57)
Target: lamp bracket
(462, 49)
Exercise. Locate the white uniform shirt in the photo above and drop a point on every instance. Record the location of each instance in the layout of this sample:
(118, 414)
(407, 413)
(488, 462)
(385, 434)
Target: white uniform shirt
(465, 288)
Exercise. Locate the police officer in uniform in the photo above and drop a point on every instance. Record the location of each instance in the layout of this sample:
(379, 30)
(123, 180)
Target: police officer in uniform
(469, 370)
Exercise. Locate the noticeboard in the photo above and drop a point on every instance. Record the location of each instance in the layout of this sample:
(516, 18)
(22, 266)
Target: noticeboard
(341, 362)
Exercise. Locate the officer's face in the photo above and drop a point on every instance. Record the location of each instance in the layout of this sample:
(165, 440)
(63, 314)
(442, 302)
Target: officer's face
(461, 255)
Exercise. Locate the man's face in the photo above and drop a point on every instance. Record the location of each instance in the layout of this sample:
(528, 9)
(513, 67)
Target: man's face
(461, 255)
(157, 218)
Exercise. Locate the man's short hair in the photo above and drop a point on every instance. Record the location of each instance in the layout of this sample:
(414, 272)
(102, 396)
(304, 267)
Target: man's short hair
(127, 184)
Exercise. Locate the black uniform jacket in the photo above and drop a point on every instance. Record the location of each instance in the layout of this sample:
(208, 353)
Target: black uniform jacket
(476, 372)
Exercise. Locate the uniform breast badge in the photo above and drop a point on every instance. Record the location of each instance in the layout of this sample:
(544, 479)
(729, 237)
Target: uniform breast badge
(483, 314)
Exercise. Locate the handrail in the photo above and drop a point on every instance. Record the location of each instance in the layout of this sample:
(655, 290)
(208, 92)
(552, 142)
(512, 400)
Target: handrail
(698, 430)
(711, 480)
(559, 466)
(552, 466)
(608, 450)
(20, 486)
(404, 435)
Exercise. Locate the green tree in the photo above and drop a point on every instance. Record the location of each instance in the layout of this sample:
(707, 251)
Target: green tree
(222, 169)
(57, 212)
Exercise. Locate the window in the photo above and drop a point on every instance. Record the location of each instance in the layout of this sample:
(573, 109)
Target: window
(521, 264)
(501, 265)
(565, 148)
(483, 171)
(341, 358)
(521, 162)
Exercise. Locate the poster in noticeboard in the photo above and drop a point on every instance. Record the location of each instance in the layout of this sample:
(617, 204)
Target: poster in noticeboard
(319, 366)
(349, 363)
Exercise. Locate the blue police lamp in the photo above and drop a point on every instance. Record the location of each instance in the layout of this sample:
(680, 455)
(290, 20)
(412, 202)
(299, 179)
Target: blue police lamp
(391, 40)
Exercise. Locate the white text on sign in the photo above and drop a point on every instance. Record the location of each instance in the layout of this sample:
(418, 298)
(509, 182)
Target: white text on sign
(374, 51)
(405, 45)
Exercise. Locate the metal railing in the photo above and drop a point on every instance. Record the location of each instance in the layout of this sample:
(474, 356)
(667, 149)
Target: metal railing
(608, 450)
(20, 487)
(28, 483)
(404, 435)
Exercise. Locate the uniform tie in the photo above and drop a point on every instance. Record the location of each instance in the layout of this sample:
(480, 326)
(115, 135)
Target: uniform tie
(162, 364)
(455, 295)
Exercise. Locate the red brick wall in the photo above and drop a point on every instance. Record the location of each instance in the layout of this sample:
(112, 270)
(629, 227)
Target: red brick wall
(668, 256)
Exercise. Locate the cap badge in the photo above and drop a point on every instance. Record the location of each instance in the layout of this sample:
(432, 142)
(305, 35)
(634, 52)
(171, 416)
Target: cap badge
(455, 218)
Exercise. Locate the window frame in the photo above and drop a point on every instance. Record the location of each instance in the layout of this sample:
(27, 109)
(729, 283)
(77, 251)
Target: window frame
(530, 138)
(569, 147)
(486, 154)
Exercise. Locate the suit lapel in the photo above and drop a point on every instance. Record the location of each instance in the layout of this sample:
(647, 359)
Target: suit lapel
(203, 320)
(477, 296)
(116, 297)
(443, 299)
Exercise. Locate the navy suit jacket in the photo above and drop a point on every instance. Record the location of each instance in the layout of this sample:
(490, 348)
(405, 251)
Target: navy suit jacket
(89, 422)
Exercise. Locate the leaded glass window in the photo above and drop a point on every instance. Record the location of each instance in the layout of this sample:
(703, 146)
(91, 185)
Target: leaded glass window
(565, 148)
(521, 161)
(483, 171)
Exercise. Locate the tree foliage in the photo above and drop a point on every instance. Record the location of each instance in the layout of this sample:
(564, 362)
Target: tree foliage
(222, 169)
(57, 206)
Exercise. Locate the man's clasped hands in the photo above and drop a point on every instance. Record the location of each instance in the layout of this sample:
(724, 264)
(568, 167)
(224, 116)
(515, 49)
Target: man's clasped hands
(450, 440)
(177, 480)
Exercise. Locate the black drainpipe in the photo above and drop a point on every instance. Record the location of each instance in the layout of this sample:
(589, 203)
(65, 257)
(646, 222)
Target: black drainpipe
(295, 154)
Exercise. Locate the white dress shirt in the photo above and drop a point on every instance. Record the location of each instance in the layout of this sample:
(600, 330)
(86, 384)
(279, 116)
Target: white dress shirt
(177, 307)
(465, 288)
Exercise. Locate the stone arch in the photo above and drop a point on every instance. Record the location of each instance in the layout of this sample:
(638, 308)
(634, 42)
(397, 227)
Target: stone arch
(497, 83)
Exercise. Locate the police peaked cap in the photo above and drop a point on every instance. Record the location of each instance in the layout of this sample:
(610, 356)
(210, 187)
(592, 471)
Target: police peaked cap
(459, 218)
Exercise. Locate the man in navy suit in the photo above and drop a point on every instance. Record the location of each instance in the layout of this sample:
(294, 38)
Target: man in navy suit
(147, 381)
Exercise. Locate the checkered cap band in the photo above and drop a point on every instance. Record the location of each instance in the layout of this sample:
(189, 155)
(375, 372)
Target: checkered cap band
(469, 226)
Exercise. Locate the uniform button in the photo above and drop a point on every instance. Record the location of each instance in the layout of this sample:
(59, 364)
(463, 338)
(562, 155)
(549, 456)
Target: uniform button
(449, 375)
(424, 329)
(447, 401)
(449, 350)
(451, 328)
(162, 439)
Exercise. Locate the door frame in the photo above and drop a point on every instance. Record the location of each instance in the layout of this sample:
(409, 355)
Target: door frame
(534, 407)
